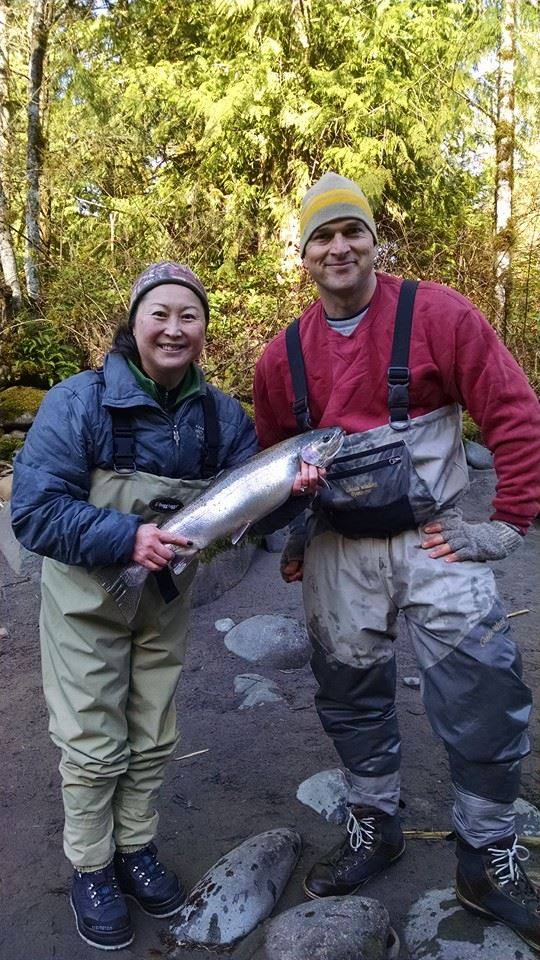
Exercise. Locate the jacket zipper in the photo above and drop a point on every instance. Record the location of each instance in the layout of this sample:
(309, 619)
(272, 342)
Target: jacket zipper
(368, 468)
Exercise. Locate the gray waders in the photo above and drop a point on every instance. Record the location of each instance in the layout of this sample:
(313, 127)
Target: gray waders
(364, 564)
(109, 687)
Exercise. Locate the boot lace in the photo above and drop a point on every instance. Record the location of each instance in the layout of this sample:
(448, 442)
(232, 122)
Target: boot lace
(149, 869)
(106, 891)
(361, 832)
(508, 869)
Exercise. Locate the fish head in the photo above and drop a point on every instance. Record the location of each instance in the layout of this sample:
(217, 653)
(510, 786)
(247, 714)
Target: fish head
(321, 446)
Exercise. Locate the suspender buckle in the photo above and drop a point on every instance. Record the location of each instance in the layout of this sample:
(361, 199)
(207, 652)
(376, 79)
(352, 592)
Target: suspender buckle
(299, 406)
(399, 376)
(301, 412)
(400, 424)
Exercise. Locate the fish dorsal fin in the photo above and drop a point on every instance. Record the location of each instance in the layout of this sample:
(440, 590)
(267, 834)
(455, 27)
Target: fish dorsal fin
(238, 534)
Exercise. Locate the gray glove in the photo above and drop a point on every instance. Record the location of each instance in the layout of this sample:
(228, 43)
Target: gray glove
(293, 550)
(493, 540)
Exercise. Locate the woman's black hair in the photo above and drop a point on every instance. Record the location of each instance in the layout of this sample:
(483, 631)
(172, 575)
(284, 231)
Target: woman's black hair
(124, 342)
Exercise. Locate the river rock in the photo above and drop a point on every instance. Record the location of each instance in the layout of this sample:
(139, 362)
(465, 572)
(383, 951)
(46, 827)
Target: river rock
(326, 793)
(336, 928)
(223, 626)
(438, 926)
(273, 641)
(527, 819)
(258, 690)
(478, 456)
(239, 891)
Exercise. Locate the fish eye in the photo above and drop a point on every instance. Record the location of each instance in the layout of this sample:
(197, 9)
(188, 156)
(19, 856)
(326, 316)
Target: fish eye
(326, 438)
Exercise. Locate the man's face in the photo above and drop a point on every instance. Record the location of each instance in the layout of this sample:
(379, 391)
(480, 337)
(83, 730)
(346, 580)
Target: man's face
(339, 256)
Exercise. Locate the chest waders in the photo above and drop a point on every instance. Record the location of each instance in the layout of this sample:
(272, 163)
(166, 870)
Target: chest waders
(109, 687)
(363, 564)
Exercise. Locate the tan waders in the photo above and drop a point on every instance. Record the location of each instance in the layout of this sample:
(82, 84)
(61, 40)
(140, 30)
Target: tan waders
(109, 686)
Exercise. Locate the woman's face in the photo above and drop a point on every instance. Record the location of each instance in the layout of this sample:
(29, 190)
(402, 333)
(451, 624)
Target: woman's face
(169, 328)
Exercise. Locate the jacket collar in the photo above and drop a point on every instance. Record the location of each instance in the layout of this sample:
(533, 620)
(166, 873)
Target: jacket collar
(122, 389)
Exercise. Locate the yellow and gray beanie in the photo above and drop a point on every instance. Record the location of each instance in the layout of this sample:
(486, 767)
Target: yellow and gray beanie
(333, 198)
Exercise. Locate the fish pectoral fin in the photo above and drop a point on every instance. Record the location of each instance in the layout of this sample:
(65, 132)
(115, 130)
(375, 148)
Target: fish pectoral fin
(237, 535)
(179, 563)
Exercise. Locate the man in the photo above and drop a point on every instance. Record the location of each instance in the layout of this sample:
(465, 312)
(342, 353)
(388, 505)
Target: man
(385, 535)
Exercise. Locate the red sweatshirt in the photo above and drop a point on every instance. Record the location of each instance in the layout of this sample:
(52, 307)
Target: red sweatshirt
(455, 355)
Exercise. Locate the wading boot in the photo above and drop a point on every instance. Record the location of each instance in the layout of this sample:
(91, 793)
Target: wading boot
(374, 840)
(490, 881)
(142, 877)
(101, 913)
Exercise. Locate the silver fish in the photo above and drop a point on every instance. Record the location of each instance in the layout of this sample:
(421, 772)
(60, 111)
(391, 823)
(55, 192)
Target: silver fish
(239, 891)
(236, 499)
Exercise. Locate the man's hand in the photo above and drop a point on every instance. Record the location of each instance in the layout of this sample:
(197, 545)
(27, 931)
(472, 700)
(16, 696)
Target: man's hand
(456, 540)
(151, 548)
(291, 565)
(307, 480)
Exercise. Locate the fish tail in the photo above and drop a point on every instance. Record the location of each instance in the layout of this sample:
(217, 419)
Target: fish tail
(125, 585)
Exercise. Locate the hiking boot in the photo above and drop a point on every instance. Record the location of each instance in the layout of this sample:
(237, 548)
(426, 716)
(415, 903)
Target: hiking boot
(490, 881)
(101, 913)
(142, 877)
(374, 840)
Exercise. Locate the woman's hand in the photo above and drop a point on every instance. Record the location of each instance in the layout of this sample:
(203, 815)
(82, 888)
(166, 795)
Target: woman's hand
(307, 479)
(151, 548)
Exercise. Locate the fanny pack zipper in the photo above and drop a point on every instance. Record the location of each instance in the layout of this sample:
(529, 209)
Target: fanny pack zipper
(367, 453)
(368, 468)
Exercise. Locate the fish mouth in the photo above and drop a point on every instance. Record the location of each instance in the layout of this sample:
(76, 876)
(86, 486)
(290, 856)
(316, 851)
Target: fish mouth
(323, 448)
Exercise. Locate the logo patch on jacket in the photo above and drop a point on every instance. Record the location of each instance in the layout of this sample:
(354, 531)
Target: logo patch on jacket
(165, 504)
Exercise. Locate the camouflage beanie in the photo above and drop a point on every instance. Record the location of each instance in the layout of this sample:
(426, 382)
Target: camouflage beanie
(166, 272)
(333, 198)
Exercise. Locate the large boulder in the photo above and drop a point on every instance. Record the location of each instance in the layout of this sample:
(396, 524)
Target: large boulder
(336, 928)
(273, 641)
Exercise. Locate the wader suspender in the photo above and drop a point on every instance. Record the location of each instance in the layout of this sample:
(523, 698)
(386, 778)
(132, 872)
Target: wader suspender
(300, 404)
(398, 371)
(399, 374)
(124, 463)
(124, 439)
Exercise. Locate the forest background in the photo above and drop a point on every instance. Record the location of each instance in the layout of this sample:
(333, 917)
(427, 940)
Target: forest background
(139, 130)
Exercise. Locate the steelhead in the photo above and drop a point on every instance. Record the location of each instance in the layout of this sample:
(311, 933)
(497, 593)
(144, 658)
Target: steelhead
(236, 499)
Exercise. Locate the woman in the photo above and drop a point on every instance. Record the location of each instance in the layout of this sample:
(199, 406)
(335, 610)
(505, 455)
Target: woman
(100, 466)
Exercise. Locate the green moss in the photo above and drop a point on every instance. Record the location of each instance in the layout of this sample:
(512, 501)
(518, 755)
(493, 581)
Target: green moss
(9, 446)
(18, 400)
(470, 430)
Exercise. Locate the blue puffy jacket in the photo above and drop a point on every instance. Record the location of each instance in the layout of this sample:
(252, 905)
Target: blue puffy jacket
(72, 435)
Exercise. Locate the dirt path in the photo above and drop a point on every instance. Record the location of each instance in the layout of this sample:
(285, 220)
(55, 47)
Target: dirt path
(247, 781)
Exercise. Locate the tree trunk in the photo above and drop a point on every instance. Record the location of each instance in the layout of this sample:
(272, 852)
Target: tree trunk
(7, 255)
(39, 34)
(504, 165)
(301, 10)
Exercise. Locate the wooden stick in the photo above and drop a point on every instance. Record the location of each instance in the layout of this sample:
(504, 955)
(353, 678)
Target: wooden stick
(517, 613)
(442, 834)
(195, 753)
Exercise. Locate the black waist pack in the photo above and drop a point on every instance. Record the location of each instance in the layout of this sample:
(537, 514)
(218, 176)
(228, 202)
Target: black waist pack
(374, 493)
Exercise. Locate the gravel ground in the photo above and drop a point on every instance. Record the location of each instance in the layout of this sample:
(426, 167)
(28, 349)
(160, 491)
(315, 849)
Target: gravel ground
(247, 780)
